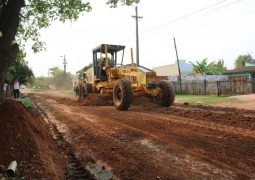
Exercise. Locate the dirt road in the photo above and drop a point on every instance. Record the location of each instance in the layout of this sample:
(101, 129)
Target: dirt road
(151, 142)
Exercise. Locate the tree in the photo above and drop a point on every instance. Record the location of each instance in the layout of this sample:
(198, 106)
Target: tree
(19, 70)
(55, 71)
(9, 22)
(60, 80)
(20, 22)
(241, 60)
(216, 68)
(213, 68)
(200, 66)
(42, 83)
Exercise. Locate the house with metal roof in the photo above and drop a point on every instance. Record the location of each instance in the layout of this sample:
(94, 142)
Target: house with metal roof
(249, 64)
(246, 74)
(248, 71)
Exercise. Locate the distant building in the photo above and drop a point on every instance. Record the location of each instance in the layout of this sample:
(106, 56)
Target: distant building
(172, 69)
(245, 72)
(249, 64)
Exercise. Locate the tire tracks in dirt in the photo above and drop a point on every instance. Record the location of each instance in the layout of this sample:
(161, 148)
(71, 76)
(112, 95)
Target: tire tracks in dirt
(165, 145)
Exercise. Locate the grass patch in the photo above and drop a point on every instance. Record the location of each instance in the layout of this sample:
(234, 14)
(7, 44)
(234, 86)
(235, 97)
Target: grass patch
(200, 99)
(28, 103)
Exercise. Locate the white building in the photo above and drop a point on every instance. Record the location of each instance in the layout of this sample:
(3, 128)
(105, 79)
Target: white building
(172, 69)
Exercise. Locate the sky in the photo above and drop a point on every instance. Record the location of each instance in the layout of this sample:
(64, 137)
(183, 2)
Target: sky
(213, 29)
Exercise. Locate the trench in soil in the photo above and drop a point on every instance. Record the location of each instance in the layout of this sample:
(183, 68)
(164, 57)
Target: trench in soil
(75, 169)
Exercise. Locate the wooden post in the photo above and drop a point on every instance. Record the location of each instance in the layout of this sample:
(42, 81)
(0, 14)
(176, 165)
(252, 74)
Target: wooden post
(218, 88)
(179, 70)
(137, 35)
(205, 84)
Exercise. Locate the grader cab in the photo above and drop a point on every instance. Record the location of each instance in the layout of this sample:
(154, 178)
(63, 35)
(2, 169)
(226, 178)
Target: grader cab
(123, 82)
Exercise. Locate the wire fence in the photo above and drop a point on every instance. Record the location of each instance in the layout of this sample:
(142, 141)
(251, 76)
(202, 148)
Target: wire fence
(219, 88)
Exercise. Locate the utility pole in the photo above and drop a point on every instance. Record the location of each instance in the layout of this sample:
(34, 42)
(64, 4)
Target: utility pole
(64, 63)
(179, 70)
(137, 34)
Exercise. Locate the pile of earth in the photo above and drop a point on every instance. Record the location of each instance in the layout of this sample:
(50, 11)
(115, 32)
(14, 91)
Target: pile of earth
(26, 139)
(94, 99)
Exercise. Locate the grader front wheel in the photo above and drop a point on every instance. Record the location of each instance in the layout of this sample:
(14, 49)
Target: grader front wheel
(81, 92)
(122, 94)
(166, 95)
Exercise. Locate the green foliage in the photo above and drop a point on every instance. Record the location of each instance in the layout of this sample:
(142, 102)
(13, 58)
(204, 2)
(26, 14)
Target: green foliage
(58, 80)
(19, 70)
(216, 68)
(42, 83)
(241, 60)
(199, 66)
(55, 71)
(62, 81)
(79, 73)
(213, 68)
(113, 3)
(28, 103)
(39, 14)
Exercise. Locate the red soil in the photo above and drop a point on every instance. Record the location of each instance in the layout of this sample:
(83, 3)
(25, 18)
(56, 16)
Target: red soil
(26, 139)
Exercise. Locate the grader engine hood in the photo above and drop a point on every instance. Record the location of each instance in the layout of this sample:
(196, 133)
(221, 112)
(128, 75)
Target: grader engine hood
(151, 78)
(148, 77)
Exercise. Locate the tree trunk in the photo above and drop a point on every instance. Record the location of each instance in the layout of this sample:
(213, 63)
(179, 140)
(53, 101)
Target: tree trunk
(9, 22)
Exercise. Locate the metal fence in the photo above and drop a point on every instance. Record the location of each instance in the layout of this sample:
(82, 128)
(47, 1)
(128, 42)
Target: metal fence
(220, 88)
(212, 78)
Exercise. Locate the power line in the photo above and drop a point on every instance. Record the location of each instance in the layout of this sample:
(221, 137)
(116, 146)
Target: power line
(185, 16)
(224, 6)
(191, 14)
(231, 17)
(222, 20)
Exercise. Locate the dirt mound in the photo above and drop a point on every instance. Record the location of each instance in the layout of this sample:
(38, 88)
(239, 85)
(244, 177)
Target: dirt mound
(144, 101)
(93, 99)
(222, 109)
(106, 100)
(26, 139)
(97, 100)
(68, 100)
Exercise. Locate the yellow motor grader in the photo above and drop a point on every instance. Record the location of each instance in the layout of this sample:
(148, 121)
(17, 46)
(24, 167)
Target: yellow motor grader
(122, 82)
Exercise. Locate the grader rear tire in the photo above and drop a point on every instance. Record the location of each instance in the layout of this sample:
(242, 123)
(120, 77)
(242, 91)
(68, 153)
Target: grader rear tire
(122, 94)
(166, 96)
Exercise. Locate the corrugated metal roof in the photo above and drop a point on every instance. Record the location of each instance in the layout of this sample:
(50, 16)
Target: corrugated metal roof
(250, 69)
